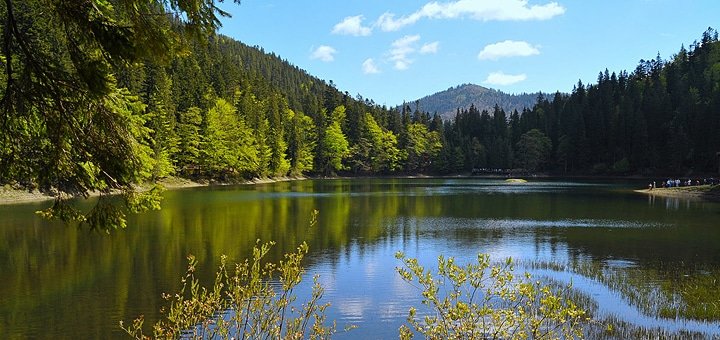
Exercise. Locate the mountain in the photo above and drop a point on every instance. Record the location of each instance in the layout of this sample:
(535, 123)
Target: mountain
(462, 96)
(661, 119)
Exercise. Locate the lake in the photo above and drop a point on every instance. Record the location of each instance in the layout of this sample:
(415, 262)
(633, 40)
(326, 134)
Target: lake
(651, 263)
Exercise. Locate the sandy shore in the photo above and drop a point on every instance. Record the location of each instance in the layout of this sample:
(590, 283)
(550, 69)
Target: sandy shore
(10, 195)
(704, 192)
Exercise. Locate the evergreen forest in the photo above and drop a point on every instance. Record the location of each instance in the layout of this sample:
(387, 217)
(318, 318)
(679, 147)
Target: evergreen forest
(445, 103)
(104, 96)
(661, 118)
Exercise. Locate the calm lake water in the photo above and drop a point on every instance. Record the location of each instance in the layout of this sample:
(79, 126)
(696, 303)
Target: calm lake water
(61, 281)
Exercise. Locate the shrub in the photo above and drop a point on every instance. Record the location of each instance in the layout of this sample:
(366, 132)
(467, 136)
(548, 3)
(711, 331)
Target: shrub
(480, 301)
(243, 303)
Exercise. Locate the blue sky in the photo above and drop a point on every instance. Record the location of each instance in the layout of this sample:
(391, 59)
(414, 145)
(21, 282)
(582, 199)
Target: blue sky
(400, 50)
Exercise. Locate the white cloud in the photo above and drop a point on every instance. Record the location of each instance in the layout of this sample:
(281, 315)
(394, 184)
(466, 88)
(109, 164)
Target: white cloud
(429, 48)
(402, 65)
(483, 10)
(387, 21)
(401, 50)
(502, 79)
(507, 48)
(352, 26)
(324, 53)
(369, 67)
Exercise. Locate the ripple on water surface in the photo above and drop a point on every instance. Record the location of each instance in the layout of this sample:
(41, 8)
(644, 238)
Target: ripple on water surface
(509, 224)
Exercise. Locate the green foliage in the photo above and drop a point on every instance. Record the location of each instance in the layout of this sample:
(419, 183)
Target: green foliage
(114, 93)
(338, 114)
(377, 149)
(189, 137)
(243, 303)
(63, 211)
(141, 201)
(106, 216)
(301, 143)
(59, 92)
(67, 125)
(160, 117)
(125, 112)
(484, 301)
(336, 147)
(265, 152)
(279, 165)
(422, 147)
(109, 212)
(478, 300)
(463, 96)
(533, 149)
(333, 146)
(227, 145)
(659, 118)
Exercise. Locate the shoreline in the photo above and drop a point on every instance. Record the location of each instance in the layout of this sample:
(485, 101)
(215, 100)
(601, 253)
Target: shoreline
(700, 192)
(9, 195)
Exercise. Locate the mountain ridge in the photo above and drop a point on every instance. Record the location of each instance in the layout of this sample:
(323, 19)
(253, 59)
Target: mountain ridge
(446, 103)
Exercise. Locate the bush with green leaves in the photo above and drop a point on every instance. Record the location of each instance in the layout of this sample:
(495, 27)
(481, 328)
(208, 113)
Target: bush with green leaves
(474, 301)
(484, 301)
(254, 300)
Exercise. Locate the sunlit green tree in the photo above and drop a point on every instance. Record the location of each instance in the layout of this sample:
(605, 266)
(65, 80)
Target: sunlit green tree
(423, 146)
(60, 95)
(301, 142)
(227, 146)
(333, 147)
(377, 150)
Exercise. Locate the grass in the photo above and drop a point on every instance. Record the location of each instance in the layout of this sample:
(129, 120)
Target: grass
(666, 294)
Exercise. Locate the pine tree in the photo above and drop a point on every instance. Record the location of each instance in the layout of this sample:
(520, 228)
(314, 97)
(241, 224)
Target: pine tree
(301, 143)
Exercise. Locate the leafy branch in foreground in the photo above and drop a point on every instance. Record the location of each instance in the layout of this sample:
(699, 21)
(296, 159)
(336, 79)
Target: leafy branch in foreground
(107, 214)
(256, 300)
(484, 301)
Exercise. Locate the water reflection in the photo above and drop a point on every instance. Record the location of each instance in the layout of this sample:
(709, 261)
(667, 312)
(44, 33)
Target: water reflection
(68, 282)
(678, 203)
(613, 304)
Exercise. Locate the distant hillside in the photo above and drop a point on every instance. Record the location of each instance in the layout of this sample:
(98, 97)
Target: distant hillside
(447, 102)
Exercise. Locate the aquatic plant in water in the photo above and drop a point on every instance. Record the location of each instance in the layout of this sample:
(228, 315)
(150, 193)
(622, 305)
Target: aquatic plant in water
(666, 293)
(667, 303)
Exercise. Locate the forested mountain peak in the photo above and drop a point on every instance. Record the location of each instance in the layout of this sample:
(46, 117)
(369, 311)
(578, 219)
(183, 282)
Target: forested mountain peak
(447, 102)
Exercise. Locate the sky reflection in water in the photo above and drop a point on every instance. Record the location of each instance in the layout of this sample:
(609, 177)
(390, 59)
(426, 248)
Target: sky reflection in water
(60, 272)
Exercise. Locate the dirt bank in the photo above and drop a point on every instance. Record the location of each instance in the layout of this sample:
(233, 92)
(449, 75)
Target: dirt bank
(10, 195)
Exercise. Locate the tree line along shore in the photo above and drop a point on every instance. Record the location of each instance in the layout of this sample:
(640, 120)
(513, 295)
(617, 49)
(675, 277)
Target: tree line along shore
(10, 194)
(98, 99)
